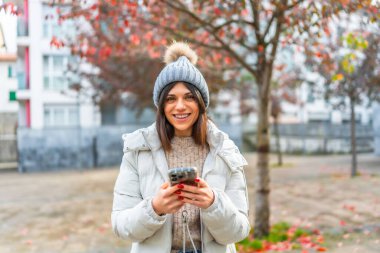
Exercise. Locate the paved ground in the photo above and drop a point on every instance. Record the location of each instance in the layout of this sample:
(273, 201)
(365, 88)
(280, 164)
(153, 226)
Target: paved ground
(70, 211)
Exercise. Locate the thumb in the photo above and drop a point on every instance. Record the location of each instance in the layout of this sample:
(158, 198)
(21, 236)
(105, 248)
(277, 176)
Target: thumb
(165, 185)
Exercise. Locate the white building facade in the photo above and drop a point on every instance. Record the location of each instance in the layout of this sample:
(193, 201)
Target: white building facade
(43, 94)
(8, 81)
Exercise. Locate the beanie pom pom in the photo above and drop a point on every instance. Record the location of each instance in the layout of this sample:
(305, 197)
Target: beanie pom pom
(178, 49)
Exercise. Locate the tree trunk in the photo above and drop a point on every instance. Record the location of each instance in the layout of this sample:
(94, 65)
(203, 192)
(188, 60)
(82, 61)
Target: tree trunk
(278, 145)
(262, 179)
(353, 138)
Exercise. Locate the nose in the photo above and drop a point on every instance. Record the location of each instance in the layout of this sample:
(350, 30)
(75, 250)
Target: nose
(180, 105)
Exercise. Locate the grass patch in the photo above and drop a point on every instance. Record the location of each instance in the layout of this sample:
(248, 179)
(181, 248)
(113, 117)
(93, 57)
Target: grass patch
(283, 237)
(283, 166)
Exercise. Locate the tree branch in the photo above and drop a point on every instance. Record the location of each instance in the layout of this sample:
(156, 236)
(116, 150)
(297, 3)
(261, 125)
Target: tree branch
(232, 21)
(256, 20)
(209, 28)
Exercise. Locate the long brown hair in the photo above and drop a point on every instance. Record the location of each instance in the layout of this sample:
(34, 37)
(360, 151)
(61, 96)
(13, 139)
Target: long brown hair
(166, 130)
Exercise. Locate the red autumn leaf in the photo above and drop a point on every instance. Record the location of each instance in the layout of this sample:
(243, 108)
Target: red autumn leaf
(154, 54)
(148, 35)
(349, 207)
(55, 42)
(221, 33)
(131, 4)
(344, 2)
(218, 56)
(318, 54)
(320, 239)
(327, 30)
(227, 60)
(239, 32)
(217, 11)
(244, 12)
(91, 51)
(135, 39)
(321, 249)
(126, 23)
(280, 67)
(105, 52)
(260, 48)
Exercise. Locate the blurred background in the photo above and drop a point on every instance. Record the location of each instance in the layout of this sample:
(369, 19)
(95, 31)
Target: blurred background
(300, 77)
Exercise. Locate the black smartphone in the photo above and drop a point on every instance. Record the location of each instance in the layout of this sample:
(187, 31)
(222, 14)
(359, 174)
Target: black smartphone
(183, 175)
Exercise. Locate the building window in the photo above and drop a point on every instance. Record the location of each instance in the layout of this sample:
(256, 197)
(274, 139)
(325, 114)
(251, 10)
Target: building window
(60, 115)
(11, 72)
(54, 72)
(108, 112)
(50, 25)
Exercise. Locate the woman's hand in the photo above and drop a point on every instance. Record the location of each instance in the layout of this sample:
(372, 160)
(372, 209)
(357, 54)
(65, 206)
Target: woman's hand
(167, 200)
(201, 196)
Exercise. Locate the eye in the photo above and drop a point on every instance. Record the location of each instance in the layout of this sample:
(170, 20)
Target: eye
(189, 97)
(170, 99)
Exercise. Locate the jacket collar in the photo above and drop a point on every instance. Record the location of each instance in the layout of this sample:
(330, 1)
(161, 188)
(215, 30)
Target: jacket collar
(147, 138)
(215, 137)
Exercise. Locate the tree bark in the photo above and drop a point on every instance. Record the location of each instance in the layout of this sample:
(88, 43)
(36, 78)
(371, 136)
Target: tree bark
(278, 146)
(262, 179)
(353, 138)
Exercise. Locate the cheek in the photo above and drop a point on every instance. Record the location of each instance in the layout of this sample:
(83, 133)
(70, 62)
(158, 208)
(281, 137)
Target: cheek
(167, 111)
(196, 111)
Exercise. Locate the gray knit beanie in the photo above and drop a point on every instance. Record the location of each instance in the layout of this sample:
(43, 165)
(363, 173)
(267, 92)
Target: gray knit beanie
(180, 62)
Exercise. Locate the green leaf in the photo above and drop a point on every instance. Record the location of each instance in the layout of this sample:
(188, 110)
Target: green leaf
(256, 244)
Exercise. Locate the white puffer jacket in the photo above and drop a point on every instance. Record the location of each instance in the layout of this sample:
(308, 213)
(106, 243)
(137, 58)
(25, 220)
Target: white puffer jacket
(144, 169)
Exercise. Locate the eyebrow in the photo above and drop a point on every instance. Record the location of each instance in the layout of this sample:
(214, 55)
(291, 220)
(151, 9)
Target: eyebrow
(183, 94)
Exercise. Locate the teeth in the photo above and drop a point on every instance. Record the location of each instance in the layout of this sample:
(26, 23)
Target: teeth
(181, 116)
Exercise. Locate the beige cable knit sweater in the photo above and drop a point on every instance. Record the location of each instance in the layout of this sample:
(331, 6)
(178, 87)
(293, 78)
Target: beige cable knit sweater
(186, 153)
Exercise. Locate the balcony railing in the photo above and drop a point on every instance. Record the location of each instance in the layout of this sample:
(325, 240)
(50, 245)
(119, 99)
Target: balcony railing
(22, 27)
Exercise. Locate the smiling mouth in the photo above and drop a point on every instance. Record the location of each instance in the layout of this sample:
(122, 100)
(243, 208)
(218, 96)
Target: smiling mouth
(181, 116)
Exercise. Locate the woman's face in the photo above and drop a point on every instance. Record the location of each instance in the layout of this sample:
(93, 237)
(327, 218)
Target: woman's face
(181, 109)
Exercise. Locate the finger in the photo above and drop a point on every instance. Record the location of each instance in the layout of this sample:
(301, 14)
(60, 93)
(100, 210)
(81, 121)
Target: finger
(190, 188)
(190, 195)
(172, 189)
(201, 182)
(165, 185)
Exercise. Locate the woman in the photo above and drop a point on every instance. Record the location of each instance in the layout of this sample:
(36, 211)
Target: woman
(159, 217)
